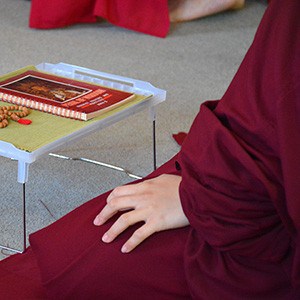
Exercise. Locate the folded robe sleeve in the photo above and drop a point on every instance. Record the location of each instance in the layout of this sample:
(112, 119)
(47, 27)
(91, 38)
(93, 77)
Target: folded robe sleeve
(241, 171)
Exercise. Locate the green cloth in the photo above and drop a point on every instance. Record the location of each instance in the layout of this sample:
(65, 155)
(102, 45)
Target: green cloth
(46, 128)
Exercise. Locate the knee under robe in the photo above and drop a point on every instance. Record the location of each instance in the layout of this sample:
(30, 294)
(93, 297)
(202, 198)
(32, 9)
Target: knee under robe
(240, 191)
(150, 17)
(80, 266)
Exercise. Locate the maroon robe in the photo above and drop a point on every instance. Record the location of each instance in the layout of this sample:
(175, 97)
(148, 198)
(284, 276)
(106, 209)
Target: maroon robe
(241, 173)
(240, 191)
(150, 17)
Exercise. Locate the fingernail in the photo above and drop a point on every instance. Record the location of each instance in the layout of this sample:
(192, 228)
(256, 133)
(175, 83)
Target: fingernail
(124, 249)
(97, 221)
(105, 237)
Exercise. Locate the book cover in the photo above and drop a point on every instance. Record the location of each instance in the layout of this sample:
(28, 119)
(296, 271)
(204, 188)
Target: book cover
(61, 96)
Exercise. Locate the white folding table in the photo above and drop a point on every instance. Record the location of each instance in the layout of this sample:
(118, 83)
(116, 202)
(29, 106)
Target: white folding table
(153, 95)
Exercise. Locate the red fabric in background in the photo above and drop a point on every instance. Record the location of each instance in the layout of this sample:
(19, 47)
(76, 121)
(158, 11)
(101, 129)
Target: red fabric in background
(150, 17)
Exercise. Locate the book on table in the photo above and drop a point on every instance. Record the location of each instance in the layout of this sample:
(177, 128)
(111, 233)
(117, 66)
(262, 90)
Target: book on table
(60, 96)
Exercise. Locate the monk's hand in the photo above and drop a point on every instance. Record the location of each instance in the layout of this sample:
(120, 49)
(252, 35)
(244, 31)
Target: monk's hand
(155, 202)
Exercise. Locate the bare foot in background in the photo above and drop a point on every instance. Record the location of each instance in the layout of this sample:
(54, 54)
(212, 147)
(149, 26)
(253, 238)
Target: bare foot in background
(187, 10)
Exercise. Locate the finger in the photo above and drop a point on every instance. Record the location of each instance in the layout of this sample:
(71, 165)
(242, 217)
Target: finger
(124, 190)
(102, 217)
(114, 206)
(137, 238)
(122, 223)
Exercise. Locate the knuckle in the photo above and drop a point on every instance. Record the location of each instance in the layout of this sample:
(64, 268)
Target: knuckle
(124, 219)
(148, 184)
(152, 222)
(141, 233)
(112, 203)
(118, 189)
(138, 235)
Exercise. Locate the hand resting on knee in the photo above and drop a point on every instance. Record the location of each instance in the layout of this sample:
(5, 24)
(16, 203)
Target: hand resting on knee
(155, 202)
